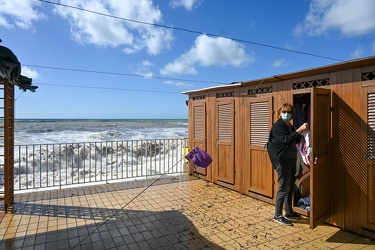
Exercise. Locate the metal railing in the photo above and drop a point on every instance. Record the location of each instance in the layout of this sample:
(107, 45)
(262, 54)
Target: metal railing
(57, 165)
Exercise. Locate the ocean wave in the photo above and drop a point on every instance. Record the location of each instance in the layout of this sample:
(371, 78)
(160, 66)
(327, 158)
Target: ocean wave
(73, 131)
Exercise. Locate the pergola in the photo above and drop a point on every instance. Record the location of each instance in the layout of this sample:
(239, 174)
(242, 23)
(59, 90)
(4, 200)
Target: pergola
(10, 76)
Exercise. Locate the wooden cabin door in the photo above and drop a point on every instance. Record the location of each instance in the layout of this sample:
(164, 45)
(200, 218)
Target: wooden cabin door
(199, 137)
(260, 122)
(225, 141)
(320, 188)
(368, 174)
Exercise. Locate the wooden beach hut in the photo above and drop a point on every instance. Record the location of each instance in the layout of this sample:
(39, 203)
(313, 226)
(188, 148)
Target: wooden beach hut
(232, 122)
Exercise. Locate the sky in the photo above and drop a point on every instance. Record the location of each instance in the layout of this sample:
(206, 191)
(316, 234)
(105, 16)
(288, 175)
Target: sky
(134, 59)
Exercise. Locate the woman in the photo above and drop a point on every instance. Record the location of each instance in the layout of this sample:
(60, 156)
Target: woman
(282, 151)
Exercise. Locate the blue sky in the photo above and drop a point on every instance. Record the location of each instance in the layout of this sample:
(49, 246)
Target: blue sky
(126, 59)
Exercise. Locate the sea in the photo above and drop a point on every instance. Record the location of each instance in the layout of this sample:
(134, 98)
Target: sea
(65, 152)
(46, 131)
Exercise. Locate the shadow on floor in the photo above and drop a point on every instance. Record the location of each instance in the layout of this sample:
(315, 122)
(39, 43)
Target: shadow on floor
(117, 229)
(347, 237)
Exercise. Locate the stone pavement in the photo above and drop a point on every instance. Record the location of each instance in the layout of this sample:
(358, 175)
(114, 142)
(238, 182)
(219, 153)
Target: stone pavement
(178, 212)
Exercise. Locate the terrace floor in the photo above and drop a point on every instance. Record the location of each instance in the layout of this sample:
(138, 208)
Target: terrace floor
(179, 212)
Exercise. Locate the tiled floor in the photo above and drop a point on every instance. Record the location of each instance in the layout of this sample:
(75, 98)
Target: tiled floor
(173, 213)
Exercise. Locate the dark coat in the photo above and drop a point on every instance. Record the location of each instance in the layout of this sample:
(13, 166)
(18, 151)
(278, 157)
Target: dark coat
(279, 140)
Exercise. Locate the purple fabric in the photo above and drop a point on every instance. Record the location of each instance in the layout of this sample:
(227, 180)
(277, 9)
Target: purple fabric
(199, 157)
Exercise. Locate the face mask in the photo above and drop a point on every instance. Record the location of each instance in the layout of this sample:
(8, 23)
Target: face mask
(286, 116)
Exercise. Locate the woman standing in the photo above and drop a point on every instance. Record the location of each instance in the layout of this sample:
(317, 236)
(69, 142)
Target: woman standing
(282, 151)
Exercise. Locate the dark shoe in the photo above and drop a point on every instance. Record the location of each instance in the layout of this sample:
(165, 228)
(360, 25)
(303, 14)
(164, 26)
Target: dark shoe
(292, 216)
(282, 220)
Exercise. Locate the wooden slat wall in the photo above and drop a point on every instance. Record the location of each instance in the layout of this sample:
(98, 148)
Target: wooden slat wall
(347, 139)
(352, 194)
(353, 161)
(337, 201)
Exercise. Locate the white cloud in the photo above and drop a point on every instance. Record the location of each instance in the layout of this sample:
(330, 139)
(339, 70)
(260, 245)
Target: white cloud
(143, 68)
(357, 53)
(4, 23)
(91, 28)
(106, 31)
(178, 84)
(187, 4)
(208, 51)
(20, 14)
(25, 71)
(349, 17)
(278, 63)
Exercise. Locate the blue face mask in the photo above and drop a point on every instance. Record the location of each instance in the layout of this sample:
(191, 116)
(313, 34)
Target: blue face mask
(286, 116)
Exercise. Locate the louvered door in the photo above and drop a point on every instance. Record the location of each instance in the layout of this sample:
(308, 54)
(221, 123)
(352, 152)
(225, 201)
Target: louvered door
(260, 121)
(199, 138)
(225, 141)
(320, 184)
(369, 173)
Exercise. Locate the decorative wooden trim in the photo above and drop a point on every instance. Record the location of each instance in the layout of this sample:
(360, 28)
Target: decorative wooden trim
(259, 91)
(199, 97)
(368, 76)
(311, 83)
(225, 94)
(368, 79)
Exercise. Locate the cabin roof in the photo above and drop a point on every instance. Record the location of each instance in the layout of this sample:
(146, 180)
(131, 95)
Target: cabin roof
(357, 63)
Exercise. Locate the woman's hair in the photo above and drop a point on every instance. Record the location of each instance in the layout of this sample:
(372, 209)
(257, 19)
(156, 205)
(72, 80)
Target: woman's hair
(286, 106)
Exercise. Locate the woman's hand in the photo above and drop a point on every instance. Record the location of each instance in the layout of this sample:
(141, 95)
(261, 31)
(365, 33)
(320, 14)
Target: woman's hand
(302, 128)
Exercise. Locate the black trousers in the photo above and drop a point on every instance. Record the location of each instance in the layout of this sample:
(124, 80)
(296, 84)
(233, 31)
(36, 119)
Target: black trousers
(286, 172)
